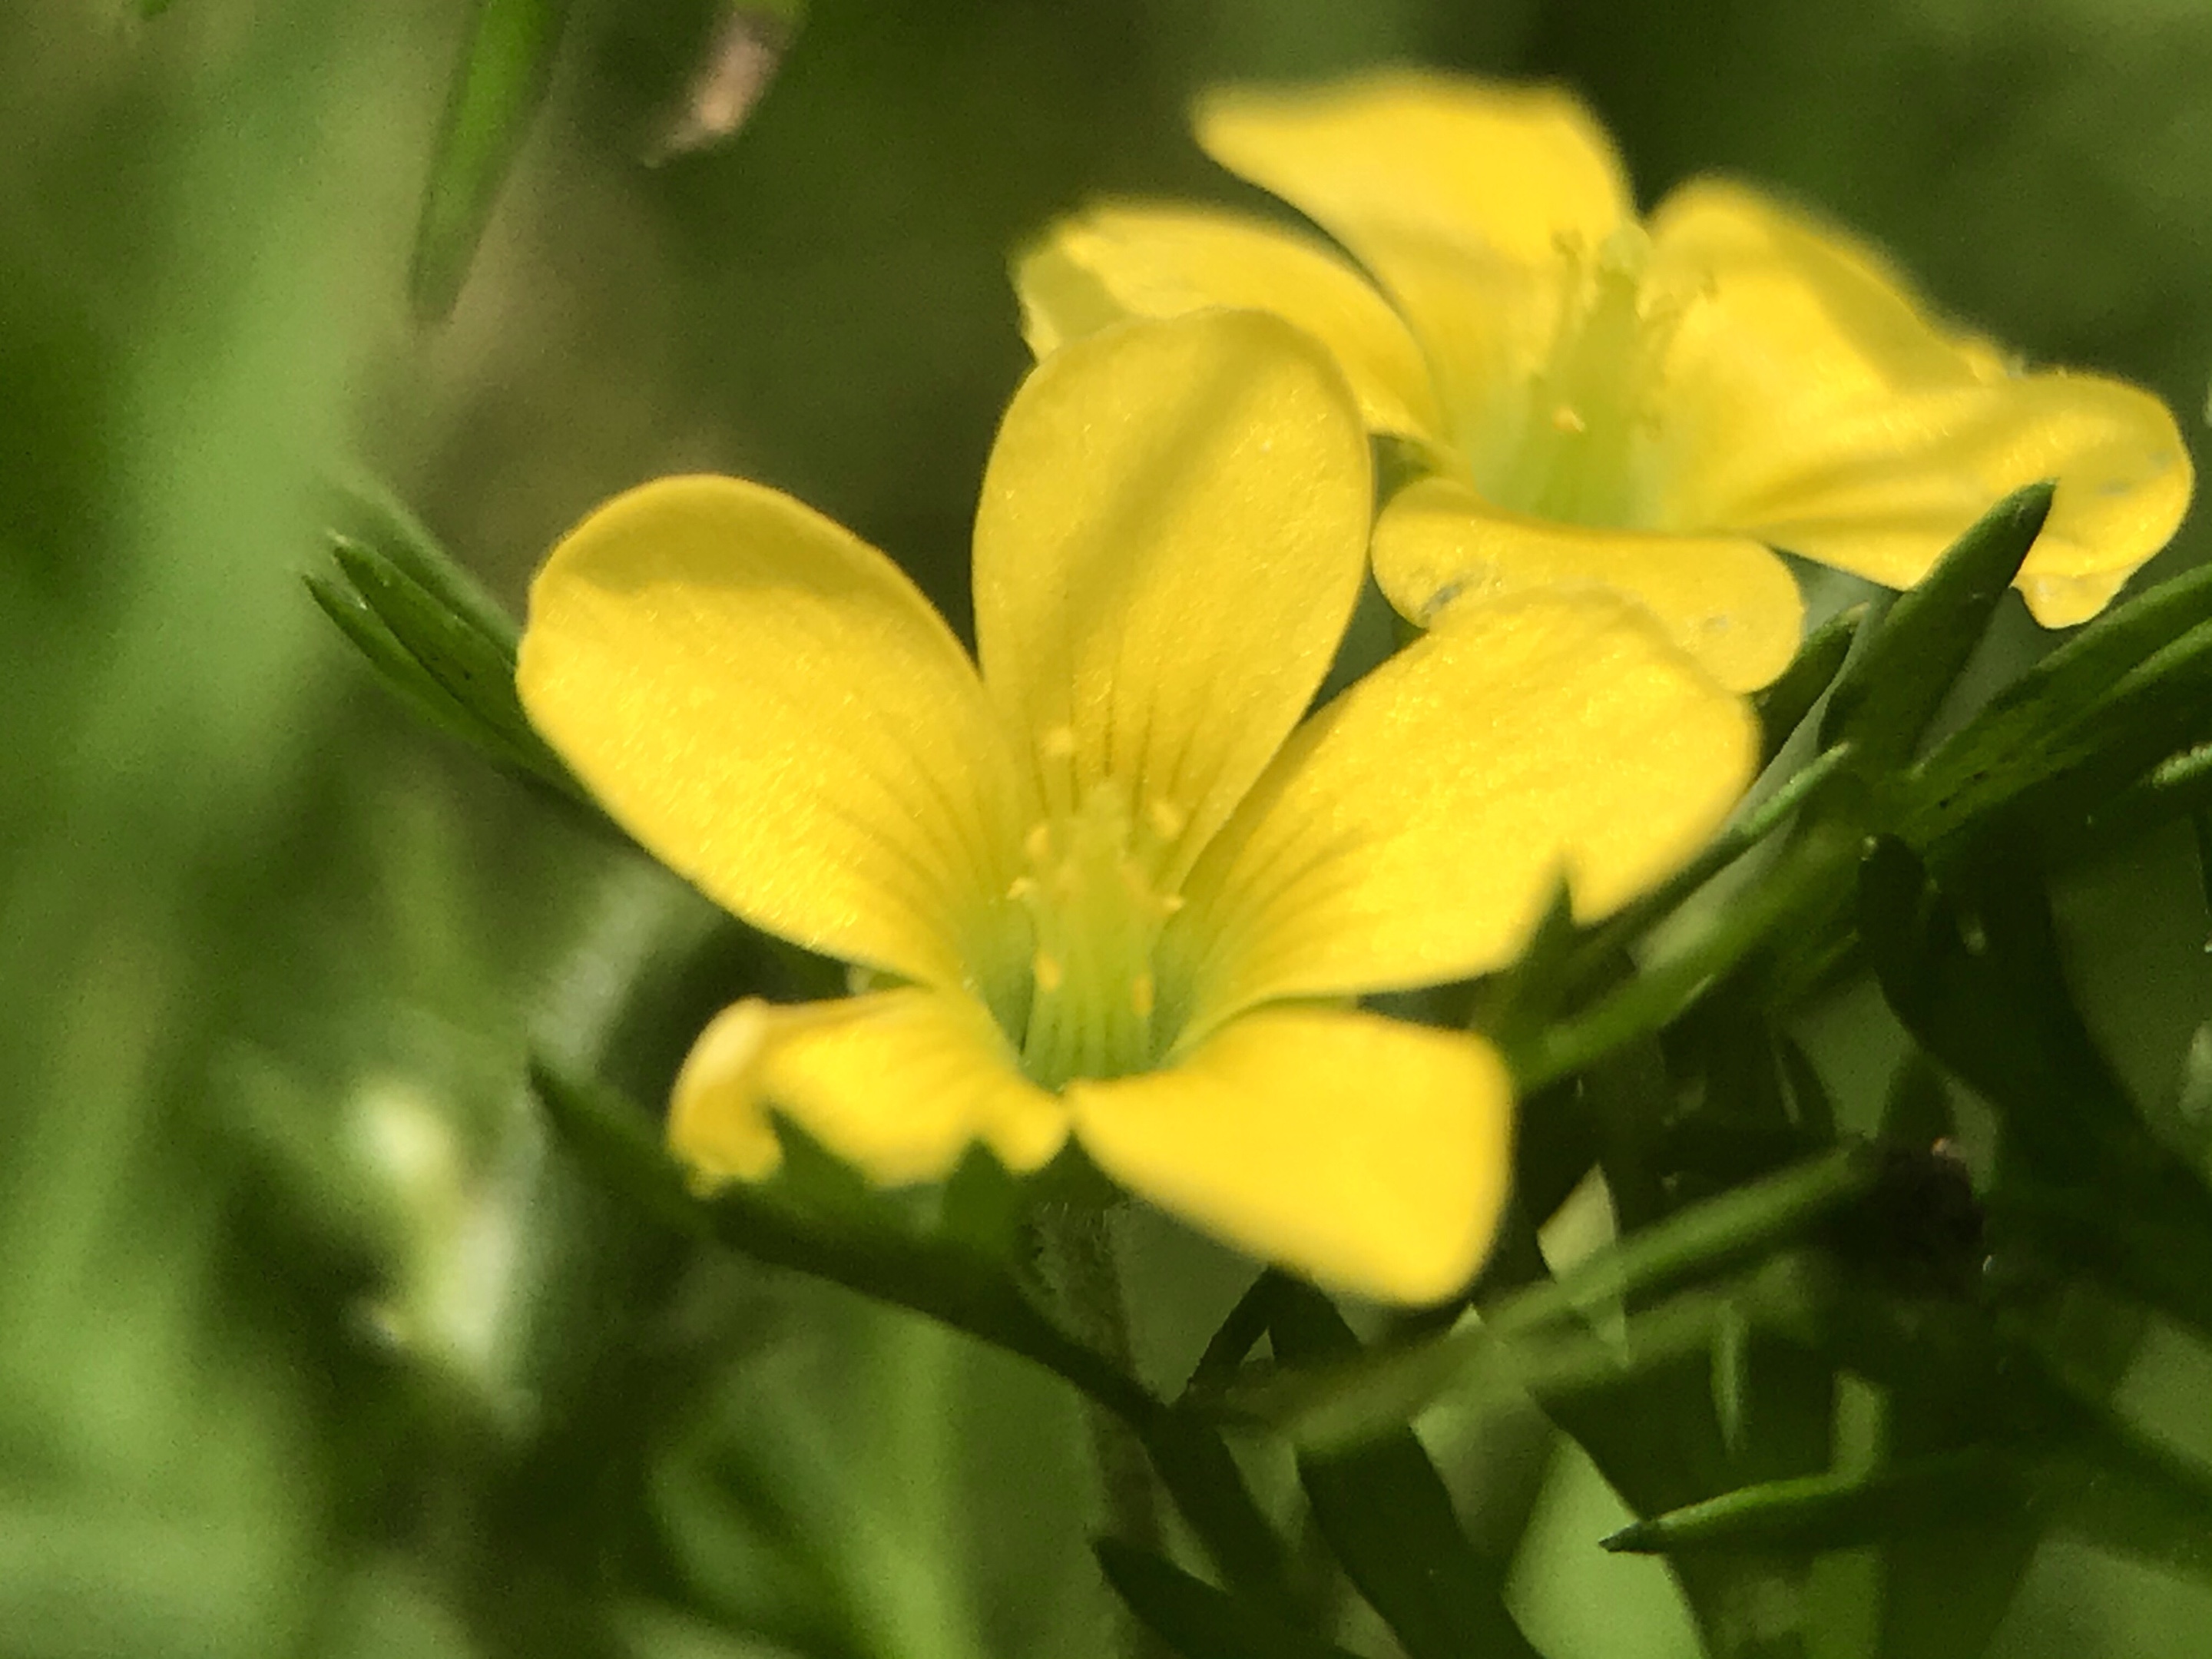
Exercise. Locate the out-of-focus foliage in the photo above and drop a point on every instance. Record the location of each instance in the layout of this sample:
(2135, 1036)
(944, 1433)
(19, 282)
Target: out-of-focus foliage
(311, 1341)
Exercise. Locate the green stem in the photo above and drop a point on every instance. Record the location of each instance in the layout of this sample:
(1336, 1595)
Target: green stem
(955, 1286)
(1079, 1244)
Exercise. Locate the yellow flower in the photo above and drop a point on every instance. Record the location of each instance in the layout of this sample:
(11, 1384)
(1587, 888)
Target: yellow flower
(1124, 886)
(1647, 407)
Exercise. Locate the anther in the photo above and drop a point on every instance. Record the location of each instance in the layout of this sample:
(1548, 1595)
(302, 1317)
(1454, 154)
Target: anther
(1566, 419)
(1167, 819)
(1048, 972)
(1140, 995)
(1037, 844)
(1057, 743)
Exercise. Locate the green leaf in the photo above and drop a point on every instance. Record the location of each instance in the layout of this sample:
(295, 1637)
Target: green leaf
(2161, 706)
(1196, 1619)
(1804, 880)
(396, 667)
(1535, 1338)
(364, 509)
(1831, 1511)
(2098, 1190)
(1985, 1012)
(2126, 1495)
(1600, 949)
(2121, 1495)
(1783, 705)
(1238, 1333)
(504, 69)
(475, 669)
(1983, 761)
(1970, 1379)
(1814, 1107)
(2148, 1236)
(1385, 1511)
(1892, 689)
(947, 1280)
(615, 1142)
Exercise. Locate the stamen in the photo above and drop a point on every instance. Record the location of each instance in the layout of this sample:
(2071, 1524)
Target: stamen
(1574, 443)
(1095, 902)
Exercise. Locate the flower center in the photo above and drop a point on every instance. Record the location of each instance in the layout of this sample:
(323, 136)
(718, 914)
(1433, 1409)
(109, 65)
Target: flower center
(1096, 888)
(1570, 449)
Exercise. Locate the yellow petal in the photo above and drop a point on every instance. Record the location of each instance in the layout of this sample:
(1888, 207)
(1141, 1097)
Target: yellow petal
(1811, 400)
(1415, 829)
(1113, 262)
(1172, 532)
(898, 1083)
(1882, 494)
(1364, 1153)
(1401, 164)
(774, 711)
(1726, 599)
(1516, 169)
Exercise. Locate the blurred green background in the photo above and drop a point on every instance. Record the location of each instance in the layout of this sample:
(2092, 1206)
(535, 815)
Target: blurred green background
(307, 1344)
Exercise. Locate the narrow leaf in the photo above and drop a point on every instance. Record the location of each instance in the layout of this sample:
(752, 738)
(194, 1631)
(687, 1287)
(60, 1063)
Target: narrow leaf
(614, 1141)
(364, 509)
(2154, 709)
(1538, 1334)
(2095, 1187)
(1815, 1107)
(1965, 1006)
(2179, 784)
(396, 665)
(1196, 1619)
(1982, 755)
(2077, 1464)
(1889, 693)
(1238, 1333)
(504, 70)
(1831, 1511)
(1806, 879)
(1783, 705)
(1386, 1512)
(474, 671)
(1750, 828)
(2148, 1237)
